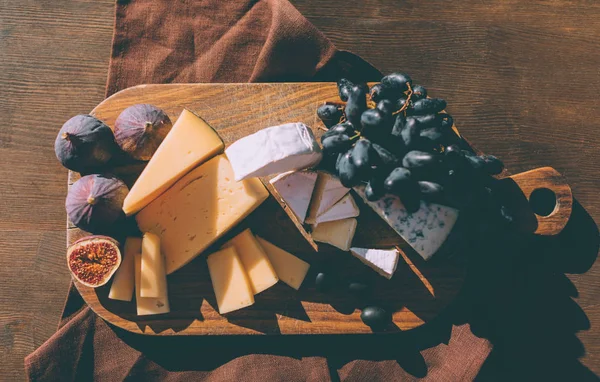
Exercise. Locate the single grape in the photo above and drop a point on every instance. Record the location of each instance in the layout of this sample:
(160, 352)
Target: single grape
(428, 106)
(341, 128)
(476, 162)
(372, 119)
(378, 93)
(432, 134)
(363, 155)
(337, 143)
(374, 190)
(447, 121)
(430, 188)
(344, 88)
(347, 171)
(356, 104)
(398, 125)
(419, 159)
(397, 179)
(400, 102)
(418, 92)
(410, 133)
(386, 158)
(387, 107)
(397, 83)
(329, 114)
(493, 165)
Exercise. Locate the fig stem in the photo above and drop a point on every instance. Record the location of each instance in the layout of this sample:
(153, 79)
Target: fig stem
(148, 126)
(91, 200)
(74, 139)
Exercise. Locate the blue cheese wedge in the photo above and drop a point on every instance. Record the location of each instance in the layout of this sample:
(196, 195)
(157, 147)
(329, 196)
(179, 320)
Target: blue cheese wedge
(328, 191)
(338, 233)
(425, 230)
(382, 261)
(274, 150)
(343, 209)
(296, 189)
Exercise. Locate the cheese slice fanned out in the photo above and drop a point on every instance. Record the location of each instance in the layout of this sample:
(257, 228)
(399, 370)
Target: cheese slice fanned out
(274, 150)
(190, 142)
(296, 189)
(424, 230)
(328, 191)
(290, 269)
(338, 233)
(343, 209)
(383, 261)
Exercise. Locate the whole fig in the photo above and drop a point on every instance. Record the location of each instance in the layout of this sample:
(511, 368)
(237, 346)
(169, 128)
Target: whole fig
(94, 202)
(140, 129)
(93, 260)
(85, 144)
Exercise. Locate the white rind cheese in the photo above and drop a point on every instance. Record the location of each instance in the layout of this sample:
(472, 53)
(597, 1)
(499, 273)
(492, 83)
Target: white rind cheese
(383, 261)
(296, 188)
(274, 150)
(343, 209)
(338, 233)
(425, 230)
(328, 191)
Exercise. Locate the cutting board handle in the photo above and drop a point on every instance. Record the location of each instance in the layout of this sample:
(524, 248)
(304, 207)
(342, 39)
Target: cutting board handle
(540, 200)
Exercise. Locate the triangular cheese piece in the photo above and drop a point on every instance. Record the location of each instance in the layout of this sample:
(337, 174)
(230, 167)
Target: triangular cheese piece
(338, 233)
(190, 142)
(383, 261)
(345, 208)
(296, 189)
(328, 191)
(290, 269)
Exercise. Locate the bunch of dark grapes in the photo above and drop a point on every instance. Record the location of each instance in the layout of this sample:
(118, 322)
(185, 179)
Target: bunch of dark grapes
(396, 140)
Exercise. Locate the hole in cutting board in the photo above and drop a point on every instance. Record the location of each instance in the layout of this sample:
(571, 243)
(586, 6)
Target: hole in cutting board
(543, 201)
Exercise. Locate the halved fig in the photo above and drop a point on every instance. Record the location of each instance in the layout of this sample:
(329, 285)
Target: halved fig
(93, 260)
(140, 129)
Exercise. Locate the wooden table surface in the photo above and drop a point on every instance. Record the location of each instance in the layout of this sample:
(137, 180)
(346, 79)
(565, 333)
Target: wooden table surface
(522, 79)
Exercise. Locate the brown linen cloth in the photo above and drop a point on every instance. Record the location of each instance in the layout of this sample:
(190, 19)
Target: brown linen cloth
(165, 41)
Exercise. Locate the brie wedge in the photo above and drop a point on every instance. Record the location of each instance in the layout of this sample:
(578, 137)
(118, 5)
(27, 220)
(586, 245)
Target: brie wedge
(345, 208)
(296, 188)
(382, 261)
(328, 191)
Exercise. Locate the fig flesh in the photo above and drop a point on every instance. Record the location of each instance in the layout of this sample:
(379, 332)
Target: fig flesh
(85, 144)
(93, 260)
(140, 129)
(94, 202)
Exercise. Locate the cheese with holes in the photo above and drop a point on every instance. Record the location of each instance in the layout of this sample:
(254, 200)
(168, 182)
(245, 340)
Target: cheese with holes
(147, 305)
(191, 141)
(328, 191)
(274, 150)
(198, 209)
(343, 209)
(124, 279)
(290, 269)
(295, 188)
(256, 263)
(338, 233)
(230, 281)
(383, 261)
(154, 277)
(425, 230)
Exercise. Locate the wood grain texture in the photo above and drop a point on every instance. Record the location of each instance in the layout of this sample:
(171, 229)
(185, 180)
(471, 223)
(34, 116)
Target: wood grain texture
(502, 65)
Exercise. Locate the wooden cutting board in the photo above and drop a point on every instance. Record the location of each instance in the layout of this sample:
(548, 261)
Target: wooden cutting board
(418, 291)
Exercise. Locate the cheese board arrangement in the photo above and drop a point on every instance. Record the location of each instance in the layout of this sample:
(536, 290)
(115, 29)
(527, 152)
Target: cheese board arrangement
(289, 208)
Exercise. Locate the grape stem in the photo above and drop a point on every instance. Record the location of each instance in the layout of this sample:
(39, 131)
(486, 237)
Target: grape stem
(409, 94)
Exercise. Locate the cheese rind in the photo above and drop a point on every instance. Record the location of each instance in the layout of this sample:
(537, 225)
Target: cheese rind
(230, 281)
(191, 141)
(338, 233)
(198, 209)
(274, 150)
(296, 189)
(343, 209)
(124, 279)
(290, 269)
(328, 191)
(154, 277)
(424, 230)
(256, 263)
(147, 305)
(383, 261)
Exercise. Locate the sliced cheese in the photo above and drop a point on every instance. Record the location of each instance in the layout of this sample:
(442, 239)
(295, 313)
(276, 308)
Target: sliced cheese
(343, 209)
(198, 209)
(256, 263)
(338, 233)
(328, 191)
(191, 141)
(290, 269)
(383, 261)
(296, 189)
(424, 230)
(274, 150)
(124, 279)
(230, 281)
(154, 277)
(147, 305)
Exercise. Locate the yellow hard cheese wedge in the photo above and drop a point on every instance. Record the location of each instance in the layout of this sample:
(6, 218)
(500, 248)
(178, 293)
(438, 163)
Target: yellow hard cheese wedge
(147, 305)
(191, 141)
(123, 281)
(198, 209)
(230, 281)
(290, 269)
(154, 278)
(256, 263)
(338, 233)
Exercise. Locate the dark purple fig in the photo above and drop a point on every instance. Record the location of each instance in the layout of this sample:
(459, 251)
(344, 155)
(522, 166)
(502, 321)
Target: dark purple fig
(93, 260)
(85, 144)
(94, 203)
(140, 129)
